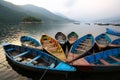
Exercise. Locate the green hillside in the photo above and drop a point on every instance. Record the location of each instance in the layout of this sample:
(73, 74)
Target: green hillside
(13, 14)
(8, 16)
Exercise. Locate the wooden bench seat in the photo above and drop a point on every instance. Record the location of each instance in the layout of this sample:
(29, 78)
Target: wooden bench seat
(104, 62)
(78, 49)
(10, 49)
(21, 54)
(114, 58)
(37, 57)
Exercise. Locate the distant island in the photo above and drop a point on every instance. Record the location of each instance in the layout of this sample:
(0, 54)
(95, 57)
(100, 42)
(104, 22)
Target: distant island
(106, 24)
(30, 19)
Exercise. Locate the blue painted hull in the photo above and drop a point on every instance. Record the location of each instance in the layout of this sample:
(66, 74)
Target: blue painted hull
(29, 39)
(102, 40)
(81, 47)
(116, 41)
(105, 61)
(112, 32)
(34, 60)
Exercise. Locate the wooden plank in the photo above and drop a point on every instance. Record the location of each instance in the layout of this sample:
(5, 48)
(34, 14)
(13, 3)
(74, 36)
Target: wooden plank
(33, 59)
(104, 62)
(78, 49)
(114, 58)
(10, 49)
(21, 54)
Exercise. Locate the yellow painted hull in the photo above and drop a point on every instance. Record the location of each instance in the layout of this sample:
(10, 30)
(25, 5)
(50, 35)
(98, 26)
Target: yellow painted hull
(52, 47)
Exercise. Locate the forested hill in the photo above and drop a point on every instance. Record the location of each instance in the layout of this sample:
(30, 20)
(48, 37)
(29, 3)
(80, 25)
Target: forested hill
(12, 14)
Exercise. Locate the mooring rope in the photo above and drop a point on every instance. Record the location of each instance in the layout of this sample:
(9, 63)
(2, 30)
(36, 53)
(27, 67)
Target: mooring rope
(44, 73)
(51, 66)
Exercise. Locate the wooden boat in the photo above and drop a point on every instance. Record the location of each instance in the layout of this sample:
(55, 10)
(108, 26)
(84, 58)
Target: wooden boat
(34, 60)
(81, 47)
(102, 41)
(112, 32)
(52, 47)
(29, 41)
(60, 37)
(77, 23)
(72, 37)
(116, 41)
(105, 61)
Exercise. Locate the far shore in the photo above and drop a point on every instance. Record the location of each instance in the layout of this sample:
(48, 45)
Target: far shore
(30, 22)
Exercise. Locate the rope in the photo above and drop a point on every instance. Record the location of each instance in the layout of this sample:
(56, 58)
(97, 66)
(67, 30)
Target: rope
(44, 73)
(51, 66)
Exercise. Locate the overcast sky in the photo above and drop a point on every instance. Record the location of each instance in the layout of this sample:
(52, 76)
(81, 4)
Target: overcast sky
(78, 9)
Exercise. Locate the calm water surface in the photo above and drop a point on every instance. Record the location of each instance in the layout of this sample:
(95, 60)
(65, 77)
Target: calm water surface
(12, 35)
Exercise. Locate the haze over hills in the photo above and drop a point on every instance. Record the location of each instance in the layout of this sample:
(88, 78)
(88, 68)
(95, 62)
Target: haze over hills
(13, 14)
(8, 15)
(110, 20)
(44, 12)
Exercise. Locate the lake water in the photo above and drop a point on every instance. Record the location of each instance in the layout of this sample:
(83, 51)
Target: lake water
(12, 34)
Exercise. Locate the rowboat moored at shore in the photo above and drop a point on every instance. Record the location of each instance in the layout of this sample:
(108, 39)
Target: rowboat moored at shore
(34, 60)
(81, 47)
(112, 32)
(29, 41)
(105, 61)
(52, 47)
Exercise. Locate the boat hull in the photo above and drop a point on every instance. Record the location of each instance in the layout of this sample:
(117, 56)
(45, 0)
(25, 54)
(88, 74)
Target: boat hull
(112, 32)
(102, 41)
(106, 61)
(60, 37)
(81, 47)
(52, 47)
(29, 41)
(116, 42)
(72, 37)
(24, 59)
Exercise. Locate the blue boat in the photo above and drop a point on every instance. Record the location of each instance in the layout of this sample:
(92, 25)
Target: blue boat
(34, 60)
(29, 41)
(105, 61)
(116, 42)
(80, 47)
(102, 40)
(112, 32)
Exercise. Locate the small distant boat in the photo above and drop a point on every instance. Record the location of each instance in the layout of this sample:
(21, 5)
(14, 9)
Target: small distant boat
(105, 61)
(29, 41)
(112, 32)
(52, 47)
(34, 60)
(81, 47)
(78, 23)
(116, 42)
(60, 37)
(72, 37)
(102, 41)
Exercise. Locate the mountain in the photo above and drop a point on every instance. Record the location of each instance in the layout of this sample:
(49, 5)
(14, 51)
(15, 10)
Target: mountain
(12, 14)
(43, 13)
(9, 16)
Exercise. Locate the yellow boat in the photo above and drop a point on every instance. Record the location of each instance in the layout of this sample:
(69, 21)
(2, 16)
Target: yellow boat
(52, 47)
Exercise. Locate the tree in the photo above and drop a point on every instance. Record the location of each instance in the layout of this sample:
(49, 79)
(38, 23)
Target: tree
(31, 19)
